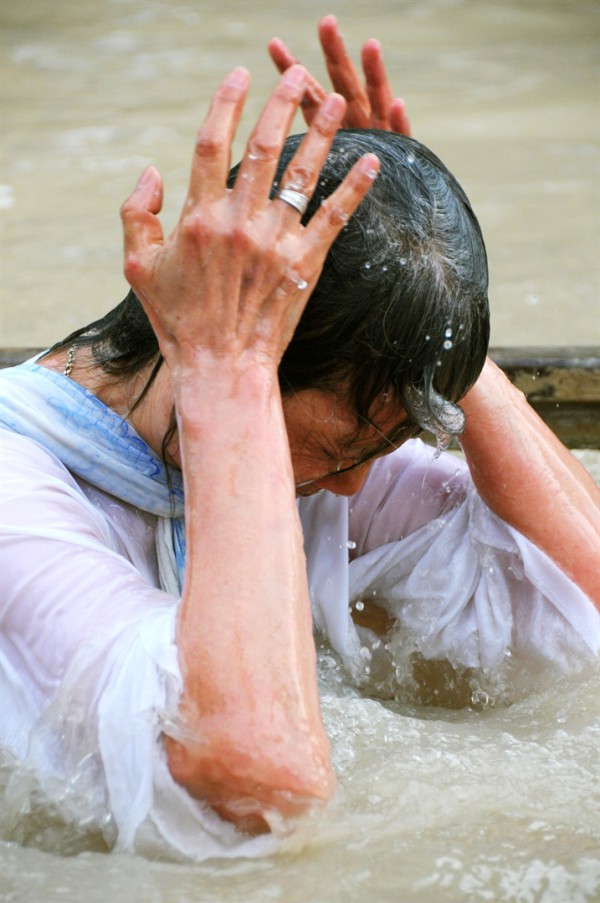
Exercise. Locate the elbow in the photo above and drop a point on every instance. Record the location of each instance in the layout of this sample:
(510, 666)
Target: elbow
(250, 784)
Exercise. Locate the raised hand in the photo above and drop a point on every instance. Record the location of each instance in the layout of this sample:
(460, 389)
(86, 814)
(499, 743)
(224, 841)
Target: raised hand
(370, 106)
(235, 274)
(224, 293)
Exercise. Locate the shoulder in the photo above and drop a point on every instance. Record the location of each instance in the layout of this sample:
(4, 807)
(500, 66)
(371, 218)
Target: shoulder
(40, 496)
(22, 456)
(30, 470)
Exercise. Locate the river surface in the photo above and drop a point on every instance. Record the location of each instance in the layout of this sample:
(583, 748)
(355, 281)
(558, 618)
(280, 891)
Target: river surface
(492, 804)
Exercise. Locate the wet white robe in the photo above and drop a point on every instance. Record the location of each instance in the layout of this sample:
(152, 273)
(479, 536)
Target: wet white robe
(88, 663)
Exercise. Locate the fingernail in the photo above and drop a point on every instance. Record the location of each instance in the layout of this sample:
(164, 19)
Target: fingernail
(333, 106)
(146, 177)
(373, 171)
(238, 78)
(295, 75)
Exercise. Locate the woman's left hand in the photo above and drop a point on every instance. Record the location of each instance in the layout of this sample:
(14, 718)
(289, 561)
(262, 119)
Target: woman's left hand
(370, 106)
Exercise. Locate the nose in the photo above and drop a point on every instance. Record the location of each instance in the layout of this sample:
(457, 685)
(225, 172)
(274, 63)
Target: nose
(347, 483)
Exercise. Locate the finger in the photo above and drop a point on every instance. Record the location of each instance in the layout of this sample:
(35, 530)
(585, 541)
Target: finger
(378, 86)
(334, 213)
(263, 150)
(304, 169)
(344, 77)
(142, 230)
(281, 55)
(212, 154)
(399, 121)
(314, 94)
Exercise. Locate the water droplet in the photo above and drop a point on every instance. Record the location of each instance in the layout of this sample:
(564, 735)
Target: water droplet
(427, 337)
(365, 653)
(448, 333)
(402, 261)
(410, 158)
(359, 606)
(297, 280)
(367, 265)
(447, 345)
(442, 441)
(351, 544)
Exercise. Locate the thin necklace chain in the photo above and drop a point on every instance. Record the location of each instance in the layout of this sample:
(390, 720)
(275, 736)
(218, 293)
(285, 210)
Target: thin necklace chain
(70, 361)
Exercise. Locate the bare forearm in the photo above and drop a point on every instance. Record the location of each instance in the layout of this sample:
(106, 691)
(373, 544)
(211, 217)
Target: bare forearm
(245, 630)
(224, 293)
(525, 474)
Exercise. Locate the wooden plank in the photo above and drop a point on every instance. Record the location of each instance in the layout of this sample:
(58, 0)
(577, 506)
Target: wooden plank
(562, 384)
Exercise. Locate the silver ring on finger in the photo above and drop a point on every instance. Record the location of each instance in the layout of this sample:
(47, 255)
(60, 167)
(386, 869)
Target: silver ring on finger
(295, 199)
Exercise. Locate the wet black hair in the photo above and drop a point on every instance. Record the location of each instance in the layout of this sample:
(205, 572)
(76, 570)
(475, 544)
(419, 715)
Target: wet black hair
(399, 308)
(401, 304)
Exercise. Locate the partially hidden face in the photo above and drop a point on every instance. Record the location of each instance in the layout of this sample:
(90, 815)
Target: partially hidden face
(333, 450)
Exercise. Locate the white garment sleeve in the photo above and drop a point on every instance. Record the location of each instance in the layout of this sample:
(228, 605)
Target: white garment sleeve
(89, 672)
(465, 585)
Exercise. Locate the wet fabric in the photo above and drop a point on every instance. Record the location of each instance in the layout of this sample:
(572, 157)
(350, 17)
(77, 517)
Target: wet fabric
(88, 659)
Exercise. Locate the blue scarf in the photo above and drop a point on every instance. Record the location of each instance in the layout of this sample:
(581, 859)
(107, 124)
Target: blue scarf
(94, 443)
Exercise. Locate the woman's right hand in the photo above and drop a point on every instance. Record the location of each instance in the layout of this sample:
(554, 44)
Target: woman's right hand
(234, 276)
(224, 293)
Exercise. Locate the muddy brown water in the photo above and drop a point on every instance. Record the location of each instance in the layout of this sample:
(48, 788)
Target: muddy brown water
(492, 805)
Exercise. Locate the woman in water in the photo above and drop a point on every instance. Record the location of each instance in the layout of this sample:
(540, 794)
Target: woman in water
(227, 459)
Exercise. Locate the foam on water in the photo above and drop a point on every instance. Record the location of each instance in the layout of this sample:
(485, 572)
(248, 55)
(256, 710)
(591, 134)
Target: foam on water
(432, 805)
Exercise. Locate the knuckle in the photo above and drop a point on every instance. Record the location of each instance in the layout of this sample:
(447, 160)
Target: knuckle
(324, 125)
(336, 215)
(241, 239)
(196, 228)
(262, 149)
(227, 93)
(203, 230)
(208, 143)
(297, 176)
(128, 211)
(133, 267)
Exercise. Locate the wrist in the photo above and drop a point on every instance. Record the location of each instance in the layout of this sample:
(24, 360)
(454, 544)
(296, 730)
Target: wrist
(203, 382)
